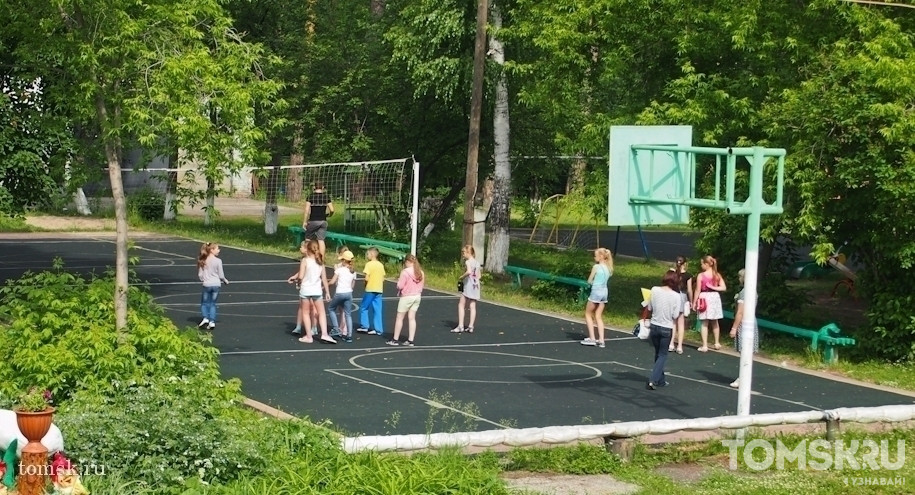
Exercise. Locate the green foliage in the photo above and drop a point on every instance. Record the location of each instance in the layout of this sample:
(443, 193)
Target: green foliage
(60, 333)
(777, 300)
(548, 290)
(147, 203)
(580, 459)
(163, 430)
(34, 400)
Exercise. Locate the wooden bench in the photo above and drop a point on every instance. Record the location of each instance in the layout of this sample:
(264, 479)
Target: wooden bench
(397, 250)
(518, 273)
(827, 336)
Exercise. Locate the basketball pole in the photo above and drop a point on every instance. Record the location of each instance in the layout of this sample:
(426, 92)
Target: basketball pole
(414, 214)
(751, 276)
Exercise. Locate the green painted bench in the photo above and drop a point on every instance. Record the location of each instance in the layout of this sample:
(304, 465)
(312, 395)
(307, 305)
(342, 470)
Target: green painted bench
(390, 252)
(396, 250)
(828, 336)
(518, 273)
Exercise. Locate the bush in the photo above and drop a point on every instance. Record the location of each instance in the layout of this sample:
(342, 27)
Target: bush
(162, 431)
(60, 333)
(148, 204)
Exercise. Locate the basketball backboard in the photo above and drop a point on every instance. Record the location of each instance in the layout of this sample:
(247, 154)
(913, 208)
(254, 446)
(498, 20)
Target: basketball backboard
(659, 174)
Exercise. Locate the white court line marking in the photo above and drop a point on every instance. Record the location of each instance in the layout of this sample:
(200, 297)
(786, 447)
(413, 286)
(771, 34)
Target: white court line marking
(713, 384)
(415, 349)
(431, 403)
(597, 372)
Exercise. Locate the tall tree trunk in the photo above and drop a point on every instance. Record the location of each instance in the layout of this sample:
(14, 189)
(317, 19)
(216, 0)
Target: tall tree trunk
(295, 183)
(271, 209)
(444, 210)
(476, 109)
(112, 157)
(500, 211)
(171, 186)
(209, 211)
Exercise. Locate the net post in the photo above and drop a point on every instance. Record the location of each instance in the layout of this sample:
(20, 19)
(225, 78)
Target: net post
(414, 216)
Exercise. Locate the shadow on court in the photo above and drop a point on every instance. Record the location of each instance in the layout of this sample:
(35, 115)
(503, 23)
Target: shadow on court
(519, 368)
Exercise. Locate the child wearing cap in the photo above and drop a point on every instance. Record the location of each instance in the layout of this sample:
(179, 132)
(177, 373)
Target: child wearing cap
(345, 279)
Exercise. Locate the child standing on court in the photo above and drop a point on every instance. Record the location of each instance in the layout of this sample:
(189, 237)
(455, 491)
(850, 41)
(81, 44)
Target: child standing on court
(594, 310)
(312, 279)
(345, 278)
(209, 271)
(469, 283)
(738, 332)
(371, 300)
(410, 287)
(707, 301)
(686, 294)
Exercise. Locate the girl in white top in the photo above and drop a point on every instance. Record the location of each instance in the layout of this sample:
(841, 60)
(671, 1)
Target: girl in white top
(469, 284)
(312, 280)
(345, 278)
(209, 271)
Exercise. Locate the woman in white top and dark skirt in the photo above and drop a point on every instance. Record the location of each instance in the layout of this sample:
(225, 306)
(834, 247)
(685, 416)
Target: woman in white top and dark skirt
(666, 306)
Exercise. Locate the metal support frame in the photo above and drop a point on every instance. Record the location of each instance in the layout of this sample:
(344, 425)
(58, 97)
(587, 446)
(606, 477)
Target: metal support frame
(754, 206)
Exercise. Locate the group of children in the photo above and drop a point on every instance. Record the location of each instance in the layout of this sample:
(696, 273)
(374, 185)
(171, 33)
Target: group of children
(314, 286)
(670, 303)
(668, 319)
(314, 291)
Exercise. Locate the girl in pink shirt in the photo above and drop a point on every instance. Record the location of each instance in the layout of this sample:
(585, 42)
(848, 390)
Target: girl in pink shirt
(410, 288)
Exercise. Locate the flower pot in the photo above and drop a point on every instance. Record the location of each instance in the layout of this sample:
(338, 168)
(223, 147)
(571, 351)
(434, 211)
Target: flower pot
(34, 425)
(33, 474)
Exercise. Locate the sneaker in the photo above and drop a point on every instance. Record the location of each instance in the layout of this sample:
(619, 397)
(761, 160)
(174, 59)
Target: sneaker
(204, 322)
(392, 342)
(348, 340)
(601, 344)
(362, 330)
(589, 341)
(314, 331)
(735, 383)
(211, 326)
(372, 332)
(650, 386)
(457, 329)
(335, 332)
(408, 343)
(297, 331)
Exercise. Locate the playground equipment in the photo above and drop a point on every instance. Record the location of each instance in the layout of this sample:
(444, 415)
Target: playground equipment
(654, 173)
(562, 208)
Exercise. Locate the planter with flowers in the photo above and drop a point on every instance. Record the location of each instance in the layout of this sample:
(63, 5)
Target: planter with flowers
(33, 416)
(34, 413)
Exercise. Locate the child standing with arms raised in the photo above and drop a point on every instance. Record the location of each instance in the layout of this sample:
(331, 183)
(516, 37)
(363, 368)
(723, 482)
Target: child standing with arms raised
(470, 289)
(410, 287)
(371, 300)
(345, 278)
(312, 279)
(599, 279)
(209, 271)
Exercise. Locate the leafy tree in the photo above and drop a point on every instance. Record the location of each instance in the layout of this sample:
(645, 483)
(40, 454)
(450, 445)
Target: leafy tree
(159, 73)
(851, 127)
